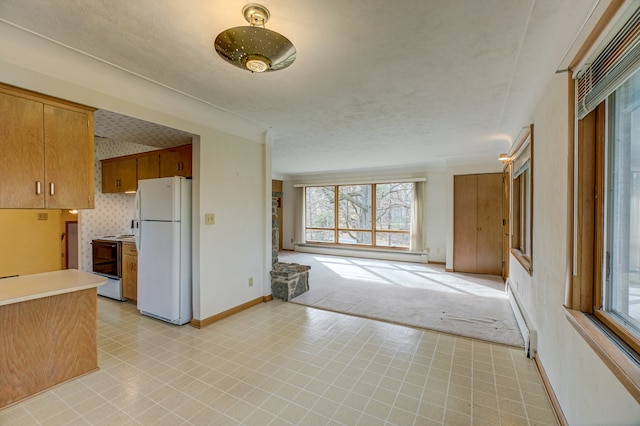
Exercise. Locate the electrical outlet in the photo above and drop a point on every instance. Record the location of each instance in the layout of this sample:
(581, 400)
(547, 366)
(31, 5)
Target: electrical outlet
(250, 281)
(209, 218)
(43, 216)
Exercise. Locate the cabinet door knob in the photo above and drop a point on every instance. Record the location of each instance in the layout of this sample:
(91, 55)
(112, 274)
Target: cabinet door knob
(38, 187)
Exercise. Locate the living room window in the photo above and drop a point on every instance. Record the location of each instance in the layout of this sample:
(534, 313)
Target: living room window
(621, 268)
(522, 200)
(372, 215)
(603, 291)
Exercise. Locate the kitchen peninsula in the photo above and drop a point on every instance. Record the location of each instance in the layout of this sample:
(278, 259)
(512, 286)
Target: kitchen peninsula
(48, 326)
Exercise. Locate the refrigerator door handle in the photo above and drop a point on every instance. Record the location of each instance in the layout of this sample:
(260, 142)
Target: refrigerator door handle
(137, 231)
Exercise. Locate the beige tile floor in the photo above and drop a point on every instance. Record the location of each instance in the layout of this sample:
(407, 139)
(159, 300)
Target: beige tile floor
(280, 364)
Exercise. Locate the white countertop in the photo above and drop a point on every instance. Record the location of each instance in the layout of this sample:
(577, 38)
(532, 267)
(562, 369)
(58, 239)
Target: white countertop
(36, 286)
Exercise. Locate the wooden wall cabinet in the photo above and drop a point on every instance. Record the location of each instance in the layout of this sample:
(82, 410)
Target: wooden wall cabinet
(130, 271)
(149, 166)
(119, 175)
(176, 161)
(46, 152)
(477, 223)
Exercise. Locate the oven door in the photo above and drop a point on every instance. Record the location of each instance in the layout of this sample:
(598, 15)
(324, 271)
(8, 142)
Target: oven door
(106, 258)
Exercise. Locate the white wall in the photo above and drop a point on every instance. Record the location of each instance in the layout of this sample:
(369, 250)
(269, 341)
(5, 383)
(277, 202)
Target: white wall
(588, 392)
(436, 217)
(229, 173)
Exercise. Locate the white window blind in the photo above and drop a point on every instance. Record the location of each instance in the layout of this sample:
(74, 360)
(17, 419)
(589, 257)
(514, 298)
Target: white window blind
(611, 67)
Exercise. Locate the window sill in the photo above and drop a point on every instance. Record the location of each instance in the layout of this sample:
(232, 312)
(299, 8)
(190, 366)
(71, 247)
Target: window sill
(621, 365)
(356, 247)
(523, 259)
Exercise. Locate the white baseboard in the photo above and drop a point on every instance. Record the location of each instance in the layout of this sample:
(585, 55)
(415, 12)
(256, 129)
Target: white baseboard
(529, 333)
(401, 256)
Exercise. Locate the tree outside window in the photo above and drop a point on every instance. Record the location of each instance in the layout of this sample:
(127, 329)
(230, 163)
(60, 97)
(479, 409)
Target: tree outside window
(376, 215)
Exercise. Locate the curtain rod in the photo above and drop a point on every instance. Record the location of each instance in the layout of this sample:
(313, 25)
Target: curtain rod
(359, 182)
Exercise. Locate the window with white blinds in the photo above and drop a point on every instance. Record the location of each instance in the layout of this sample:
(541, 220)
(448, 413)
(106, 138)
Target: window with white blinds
(612, 66)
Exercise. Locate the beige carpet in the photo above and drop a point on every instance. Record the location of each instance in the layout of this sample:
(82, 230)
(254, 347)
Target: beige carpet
(415, 294)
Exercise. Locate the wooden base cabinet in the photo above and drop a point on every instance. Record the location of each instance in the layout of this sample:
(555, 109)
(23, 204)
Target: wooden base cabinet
(130, 271)
(46, 152)
(45, 342)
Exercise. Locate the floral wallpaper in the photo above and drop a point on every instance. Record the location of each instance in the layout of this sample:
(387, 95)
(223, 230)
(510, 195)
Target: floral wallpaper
(113, 213)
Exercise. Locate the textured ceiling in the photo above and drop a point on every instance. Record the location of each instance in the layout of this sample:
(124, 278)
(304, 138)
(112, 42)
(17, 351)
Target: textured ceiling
(421, 84)
(111, 125)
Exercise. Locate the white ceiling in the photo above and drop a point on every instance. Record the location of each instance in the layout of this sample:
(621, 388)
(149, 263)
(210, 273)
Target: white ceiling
(376, 84)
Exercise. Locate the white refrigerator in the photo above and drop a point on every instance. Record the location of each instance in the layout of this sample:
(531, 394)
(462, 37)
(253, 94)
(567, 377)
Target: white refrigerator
(163, 239)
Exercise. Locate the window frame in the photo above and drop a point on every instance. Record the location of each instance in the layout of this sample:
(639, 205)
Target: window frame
(521, 178)
(373, 230)
(615, 346)
(604, 147)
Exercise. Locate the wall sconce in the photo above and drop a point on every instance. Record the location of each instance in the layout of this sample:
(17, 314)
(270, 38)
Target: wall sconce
(504, 157)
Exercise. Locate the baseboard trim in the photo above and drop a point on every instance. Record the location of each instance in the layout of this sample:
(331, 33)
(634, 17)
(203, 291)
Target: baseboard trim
(449, 270)
(217, 317)
(435, 262)
(525, 325)
(555, 404)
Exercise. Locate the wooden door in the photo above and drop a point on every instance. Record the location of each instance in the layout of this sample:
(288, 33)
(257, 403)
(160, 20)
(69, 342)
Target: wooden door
(21, 153)
(149, 166)
(465, 219)
(489, 249)
(68, 147)
(71, 242)
(477, 228)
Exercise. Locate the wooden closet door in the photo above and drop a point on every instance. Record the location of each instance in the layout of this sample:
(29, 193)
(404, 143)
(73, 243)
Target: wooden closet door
(489, 239)
(465, 218)
(477, 223)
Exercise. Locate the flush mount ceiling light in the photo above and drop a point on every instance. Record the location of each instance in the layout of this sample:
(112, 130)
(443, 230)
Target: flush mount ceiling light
(254, 48)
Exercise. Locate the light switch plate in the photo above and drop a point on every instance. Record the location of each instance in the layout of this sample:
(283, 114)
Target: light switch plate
(209, 218)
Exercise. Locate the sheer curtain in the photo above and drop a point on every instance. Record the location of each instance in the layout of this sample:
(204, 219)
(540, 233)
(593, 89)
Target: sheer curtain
(417, 217)
(299, 231)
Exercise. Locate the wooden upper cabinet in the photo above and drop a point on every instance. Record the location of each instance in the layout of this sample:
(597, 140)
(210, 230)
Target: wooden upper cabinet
(176, 161)
(21, 153)
(119, 175)
(149, 166)
(67, 159)
(46, 152)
